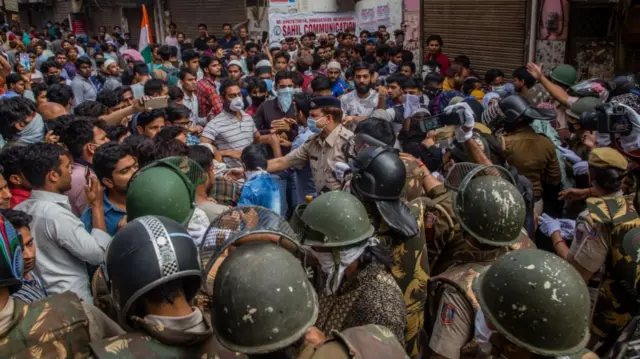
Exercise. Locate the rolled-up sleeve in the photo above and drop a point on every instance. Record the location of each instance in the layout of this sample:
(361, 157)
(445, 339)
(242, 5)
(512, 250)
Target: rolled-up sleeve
(70, 234)
(299, 157)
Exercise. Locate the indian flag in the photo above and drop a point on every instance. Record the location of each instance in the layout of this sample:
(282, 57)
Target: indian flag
(145, 37)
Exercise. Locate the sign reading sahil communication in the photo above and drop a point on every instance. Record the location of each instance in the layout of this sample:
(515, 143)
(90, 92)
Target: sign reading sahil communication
(295, 25)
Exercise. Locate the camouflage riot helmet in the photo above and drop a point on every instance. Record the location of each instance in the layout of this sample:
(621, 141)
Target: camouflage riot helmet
(487, 203)
(565, 75)
(145, 254)
(537, 301)
(335, 219)
(11, 264)
(255, 311)
(165, 188)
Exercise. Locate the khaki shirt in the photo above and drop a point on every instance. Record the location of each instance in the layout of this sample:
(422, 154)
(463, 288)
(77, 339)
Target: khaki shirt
(534, 156)
(322, 155)
(454, 325)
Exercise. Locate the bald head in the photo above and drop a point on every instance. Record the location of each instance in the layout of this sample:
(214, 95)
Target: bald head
(51, 110)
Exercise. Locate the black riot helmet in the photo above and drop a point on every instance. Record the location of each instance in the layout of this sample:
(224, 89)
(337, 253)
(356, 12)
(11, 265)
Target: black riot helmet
(622, 84)
(145, 254)
(379, 174)
(515, 107)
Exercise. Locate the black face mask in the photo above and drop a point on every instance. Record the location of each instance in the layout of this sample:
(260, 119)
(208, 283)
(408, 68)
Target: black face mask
(257, 100)
(362, 88)
(432, 93)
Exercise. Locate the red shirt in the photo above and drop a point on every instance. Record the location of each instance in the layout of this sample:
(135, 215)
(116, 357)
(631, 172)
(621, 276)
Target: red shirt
(440, 58)
(18, 195)
(209, 102)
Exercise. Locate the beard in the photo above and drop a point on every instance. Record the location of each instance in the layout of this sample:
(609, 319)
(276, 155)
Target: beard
(363, 88)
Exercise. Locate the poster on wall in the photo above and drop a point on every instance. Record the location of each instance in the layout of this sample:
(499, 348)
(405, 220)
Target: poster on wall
(79, 25)
(383, 16)
(367, 20)
(412, 30)
(283, 25)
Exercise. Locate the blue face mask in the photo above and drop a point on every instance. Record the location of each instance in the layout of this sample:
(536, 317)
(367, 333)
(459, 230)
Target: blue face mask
(269, 83)
(34, 131)
(285, 98)
(312, 126)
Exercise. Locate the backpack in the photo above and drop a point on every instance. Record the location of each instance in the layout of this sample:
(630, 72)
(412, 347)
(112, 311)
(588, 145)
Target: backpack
(172, 74)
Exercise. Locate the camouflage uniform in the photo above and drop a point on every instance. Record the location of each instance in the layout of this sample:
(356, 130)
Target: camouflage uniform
(365, 342)
(627, 345)
(59, 325)
(617, 302)
(157, 341)
(452, 306)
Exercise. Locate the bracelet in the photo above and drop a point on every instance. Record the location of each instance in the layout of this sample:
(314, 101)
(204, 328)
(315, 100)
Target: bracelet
(558, 242)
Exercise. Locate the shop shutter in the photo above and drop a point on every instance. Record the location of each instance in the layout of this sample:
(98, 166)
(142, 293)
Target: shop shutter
(61, 10)
(490, 32)
(107, 16)
(187, 14)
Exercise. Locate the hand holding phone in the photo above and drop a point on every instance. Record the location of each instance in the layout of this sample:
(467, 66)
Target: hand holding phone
(156, 102)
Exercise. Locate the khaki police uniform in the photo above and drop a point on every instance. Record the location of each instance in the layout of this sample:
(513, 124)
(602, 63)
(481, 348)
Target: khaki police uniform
(322, 155)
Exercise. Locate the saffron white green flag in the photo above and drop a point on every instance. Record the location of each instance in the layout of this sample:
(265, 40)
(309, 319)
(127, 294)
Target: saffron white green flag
(145, 37)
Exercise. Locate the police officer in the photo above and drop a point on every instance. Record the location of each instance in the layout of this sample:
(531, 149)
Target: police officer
(378, 180)
(355, 284)
(491, 213)
(321, 151)
(532, 303)
(153, 269)
(609, 220)
(263, 315)
(36, 328)
(534, 155)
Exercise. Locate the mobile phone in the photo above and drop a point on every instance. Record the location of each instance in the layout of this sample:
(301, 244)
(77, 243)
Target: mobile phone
(157, 102)
(25, 61)
(265, 34)
(87, 176)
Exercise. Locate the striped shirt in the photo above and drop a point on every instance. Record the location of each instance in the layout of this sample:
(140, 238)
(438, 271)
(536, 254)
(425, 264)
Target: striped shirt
(31, 290)
(229, 133)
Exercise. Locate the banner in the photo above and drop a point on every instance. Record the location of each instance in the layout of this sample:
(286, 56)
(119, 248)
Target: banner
(383, 17)
(367, 20)
(283, 25)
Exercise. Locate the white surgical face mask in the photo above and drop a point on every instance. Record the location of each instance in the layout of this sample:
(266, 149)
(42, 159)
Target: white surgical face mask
(237, 104)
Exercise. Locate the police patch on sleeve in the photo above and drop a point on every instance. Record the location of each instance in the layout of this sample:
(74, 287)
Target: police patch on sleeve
(447, 314)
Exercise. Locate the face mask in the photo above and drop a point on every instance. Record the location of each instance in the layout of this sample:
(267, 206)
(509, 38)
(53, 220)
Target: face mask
(269, 83)
(285, 98)
(392, 67)
(352, 84)
(432, 93)
(335, 271)
(297, 90)
(34, 131)
(257, 100)
(313, 125)
(236, 104)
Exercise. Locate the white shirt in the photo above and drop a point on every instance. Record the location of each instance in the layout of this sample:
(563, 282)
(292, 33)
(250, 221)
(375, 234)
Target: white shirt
(353, 105)
(191, 102)
(62, 243)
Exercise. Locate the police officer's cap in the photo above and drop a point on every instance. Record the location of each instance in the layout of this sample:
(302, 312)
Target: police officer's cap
(324, 101)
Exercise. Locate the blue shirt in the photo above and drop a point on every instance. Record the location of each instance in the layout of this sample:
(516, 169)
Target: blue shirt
(112, 216)
(303, 177)
(227, 44)
(339, 87)
(192, 140)
(261, 190)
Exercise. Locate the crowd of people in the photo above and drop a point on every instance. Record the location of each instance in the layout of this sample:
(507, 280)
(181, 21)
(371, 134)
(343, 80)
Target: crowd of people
(311, 198)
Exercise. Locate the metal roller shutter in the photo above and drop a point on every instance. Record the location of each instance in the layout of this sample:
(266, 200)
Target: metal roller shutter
(107, 16)
(61, 10)
(491, 33)
(187, 14)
